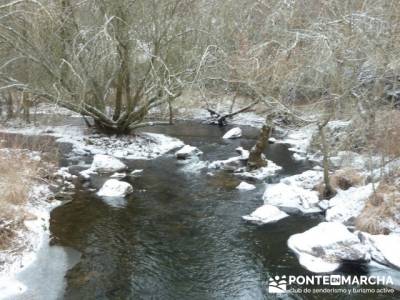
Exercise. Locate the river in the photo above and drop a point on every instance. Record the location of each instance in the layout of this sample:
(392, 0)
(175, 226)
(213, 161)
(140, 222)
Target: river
(180, 234)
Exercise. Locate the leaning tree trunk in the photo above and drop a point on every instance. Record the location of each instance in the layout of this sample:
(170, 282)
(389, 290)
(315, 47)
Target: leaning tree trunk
(328, 191)
(256, 159)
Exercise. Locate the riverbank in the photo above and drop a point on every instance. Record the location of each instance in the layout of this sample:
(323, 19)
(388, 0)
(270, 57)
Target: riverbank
(293, 195)
(25, 212)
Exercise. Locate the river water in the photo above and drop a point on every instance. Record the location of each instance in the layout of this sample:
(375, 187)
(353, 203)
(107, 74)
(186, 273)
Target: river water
(180, 234)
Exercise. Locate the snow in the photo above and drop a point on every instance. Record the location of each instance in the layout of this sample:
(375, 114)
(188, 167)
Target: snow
(244, 154)
(384, 248)
(140, 146)
(115, 188)
(349, 159)
(324, 247)
(244, 186)
(136, 172)
(34, 237)
(291, 198)
(86, 174)
(265, 214)
(187, 151)
(233, 133)
(118, 175)
(307, 180)
(300, 139)
(261, 173)
(348, 204)
(107, 164)
(230, 164)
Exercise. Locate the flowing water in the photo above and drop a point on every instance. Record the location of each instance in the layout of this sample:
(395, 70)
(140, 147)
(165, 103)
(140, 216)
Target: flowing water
(180, 234)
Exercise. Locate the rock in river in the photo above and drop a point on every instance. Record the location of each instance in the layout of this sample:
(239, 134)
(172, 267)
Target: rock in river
(324, 247)
(107, 164)
(265, 214)
(115, 188)
(233, 133)
(292, 198)
(244, 186)
(187, 151)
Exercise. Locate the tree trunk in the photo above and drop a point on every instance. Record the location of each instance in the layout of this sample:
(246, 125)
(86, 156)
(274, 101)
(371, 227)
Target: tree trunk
(328, 191)
(10, 106)
(256, 159)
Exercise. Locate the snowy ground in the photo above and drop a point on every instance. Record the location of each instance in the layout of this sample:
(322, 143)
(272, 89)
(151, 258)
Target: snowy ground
(16, 261)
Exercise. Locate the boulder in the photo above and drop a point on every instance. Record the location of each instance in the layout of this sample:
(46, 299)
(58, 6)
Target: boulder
(244, 186)
(115, 188)
(230, 164)
(307, 180)
(244, 154)
(136, 172)
(118, 175)
(261, 173)
(324, 247)
(86, 174)
(291, 198)
(347, 205)
(234, 133)
(187, 151)
(107, 164)
(383, 248)
(265, 214)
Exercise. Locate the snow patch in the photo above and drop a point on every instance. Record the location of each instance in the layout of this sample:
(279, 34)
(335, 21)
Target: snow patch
(115, 188)
(348, 204)
(291, 198)
(244, 186)
(265, 214)
(234, 133)
(261, 173)
(187, 151)
(324, 247)
(107, 164)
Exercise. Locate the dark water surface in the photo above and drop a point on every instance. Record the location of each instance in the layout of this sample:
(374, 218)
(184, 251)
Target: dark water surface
(180, 234)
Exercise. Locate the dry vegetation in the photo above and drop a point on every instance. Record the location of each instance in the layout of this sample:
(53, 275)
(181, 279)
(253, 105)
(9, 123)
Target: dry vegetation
(382, 210)
(20, 170)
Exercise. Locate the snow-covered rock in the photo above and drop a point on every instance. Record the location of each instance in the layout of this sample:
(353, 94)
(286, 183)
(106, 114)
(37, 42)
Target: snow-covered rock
(118, 175)
(244, 186)
(136, 172)
(300, 139)
(86, 174)
(265, 214)
(383, 248)
(187, 151)
(291, 198)
(324, 247)
(233, 133)
(107, 164)
(230, 164)
(244, 154)
(115, 188)
(261, 173)
(348, 204)
(64, 174)
(348, 159)
(307, 180)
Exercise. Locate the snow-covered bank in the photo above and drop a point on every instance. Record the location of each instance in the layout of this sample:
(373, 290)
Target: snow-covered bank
(324, 247)
(140, 146)
(16, 260)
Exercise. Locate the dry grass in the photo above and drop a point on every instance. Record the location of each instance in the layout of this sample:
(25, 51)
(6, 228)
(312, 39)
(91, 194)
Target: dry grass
(342, 179)
(387, 134)
(382, 208)
(20, 170)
